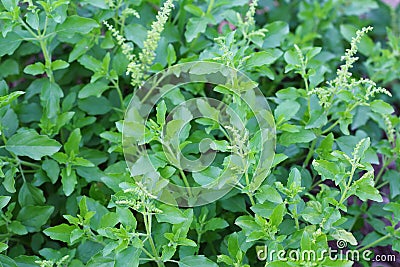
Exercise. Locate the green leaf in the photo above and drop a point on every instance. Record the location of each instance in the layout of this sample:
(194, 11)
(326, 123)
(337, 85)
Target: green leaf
(161, 112)
(3, 246)
(170, 215)
(30, 195)
(7, 99)
(393, 178)
(78, 161)
(196, 261)
(394, 208)
(9, 44)
(59, 64)
(302, 136)
(215, 223)
(341, 234)
(35, 69)
(365, 188)
(207, 176)
(34, 217)
(75, 24)
(327, 170)
(9, 181)
(80, 48)
(9, 4)
(4, 201)
(194, 27)
(286, 110)
(233, 245)
(291, 57)
(32, 18)
(360, 7)
(68, 180)
(7, 261)
(52, 169)
(93, 89)
(267, 192)
(171, 55)
(381, 107)
(267, 57)
(277, 32)
(9, 67)
(50, 97)
(195, 10)
(71, 147)
(16, 227)
(95, 105)
(29, 143)
(317, 120)
(60, 232)
(278, 158)
(276, 217)
(136, 33)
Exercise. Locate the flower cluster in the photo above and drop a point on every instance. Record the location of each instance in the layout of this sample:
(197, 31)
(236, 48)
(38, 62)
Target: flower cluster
(390, 130)
(127, 49)
(250, 24)
(48, 263)
(239, 141)
(349, 58)
(138, 67)
(343, 80)
(227, 53)
(138, 198)
(249, 19)
(130, 11)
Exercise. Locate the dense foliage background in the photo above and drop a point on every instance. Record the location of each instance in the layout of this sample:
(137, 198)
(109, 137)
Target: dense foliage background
(67, 198)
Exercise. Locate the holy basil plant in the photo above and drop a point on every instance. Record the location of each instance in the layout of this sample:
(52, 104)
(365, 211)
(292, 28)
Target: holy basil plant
(83, 175)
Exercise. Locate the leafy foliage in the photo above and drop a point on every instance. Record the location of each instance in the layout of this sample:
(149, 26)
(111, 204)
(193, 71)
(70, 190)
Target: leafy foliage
(68, 71)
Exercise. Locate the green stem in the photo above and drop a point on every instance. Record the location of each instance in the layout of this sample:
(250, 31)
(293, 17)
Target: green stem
(247, 178)
(383, 238)
(337, 122)
(121, 97)
(354, 222)
(147, 222)
(22, 162)
(307, 89)
(347, 186)
(185, 180)
(210, 6)
(47, 58)
(382, 185)
(382, 170)
(330, 127)
(26, 26)
(310, 153)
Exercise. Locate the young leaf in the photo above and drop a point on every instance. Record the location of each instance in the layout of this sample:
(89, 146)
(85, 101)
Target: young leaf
(29, 143)
(35, 69)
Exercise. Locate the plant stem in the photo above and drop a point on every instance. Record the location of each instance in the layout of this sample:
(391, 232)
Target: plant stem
(382, 185)
(121, 97)
(185, 180)
(382, 170)
(383, 238)
(310, 153)
(347, 186)
(330, 127)
(147, 222)
(47, 58)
